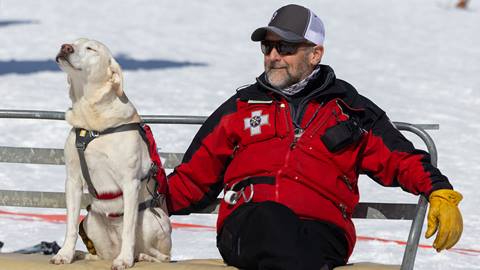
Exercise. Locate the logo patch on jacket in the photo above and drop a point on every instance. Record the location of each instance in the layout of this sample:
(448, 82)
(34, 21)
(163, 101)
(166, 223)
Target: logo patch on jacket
(255, 122)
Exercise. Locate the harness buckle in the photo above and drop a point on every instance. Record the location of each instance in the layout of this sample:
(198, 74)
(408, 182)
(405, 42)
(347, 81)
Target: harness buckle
(94, 133)
(154, 169)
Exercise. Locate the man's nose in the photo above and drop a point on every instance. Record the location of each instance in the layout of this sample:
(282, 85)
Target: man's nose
(67, 49)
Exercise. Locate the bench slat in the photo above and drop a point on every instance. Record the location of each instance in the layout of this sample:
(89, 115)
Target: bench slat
(39, 199)
(43, 199)
(51, 156)
(31, 155)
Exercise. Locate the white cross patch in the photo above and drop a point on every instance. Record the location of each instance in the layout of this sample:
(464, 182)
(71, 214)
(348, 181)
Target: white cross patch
(255, 122)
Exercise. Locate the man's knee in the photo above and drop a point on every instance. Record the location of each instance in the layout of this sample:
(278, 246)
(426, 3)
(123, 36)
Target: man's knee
(270, 214)
(258, 235)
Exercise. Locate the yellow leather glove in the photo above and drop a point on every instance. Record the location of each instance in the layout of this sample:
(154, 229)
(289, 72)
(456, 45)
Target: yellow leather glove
(444, 217)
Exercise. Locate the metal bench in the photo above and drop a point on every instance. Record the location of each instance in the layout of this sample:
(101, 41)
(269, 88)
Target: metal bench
(368, 210)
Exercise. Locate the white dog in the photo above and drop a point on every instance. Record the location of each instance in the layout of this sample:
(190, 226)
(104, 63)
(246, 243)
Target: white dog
(124, 222)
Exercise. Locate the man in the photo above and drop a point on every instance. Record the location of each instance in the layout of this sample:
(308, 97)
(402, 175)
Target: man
(287, 151)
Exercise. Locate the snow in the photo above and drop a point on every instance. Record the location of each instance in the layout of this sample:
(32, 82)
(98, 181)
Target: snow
(418, 60)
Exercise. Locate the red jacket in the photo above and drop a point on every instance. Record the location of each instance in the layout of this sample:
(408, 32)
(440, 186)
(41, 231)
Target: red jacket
(343, 134)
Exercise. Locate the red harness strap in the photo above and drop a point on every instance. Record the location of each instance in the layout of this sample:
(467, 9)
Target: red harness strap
(109, 196)
(160, 172)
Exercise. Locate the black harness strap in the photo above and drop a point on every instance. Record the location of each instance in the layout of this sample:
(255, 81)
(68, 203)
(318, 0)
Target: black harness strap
(125, 127)
(152, 203)
(84, 137)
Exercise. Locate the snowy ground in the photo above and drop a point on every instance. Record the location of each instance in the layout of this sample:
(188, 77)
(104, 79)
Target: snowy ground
(419, 60)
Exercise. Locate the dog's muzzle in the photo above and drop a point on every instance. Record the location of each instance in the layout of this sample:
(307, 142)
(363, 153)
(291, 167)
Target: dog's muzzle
(64, 52)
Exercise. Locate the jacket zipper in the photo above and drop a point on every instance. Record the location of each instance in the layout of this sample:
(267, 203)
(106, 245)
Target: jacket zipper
(285, 117)
(287, 156)
(234, 151)
(297, 133)
(343, 209)
(347, 182)
(322, 121)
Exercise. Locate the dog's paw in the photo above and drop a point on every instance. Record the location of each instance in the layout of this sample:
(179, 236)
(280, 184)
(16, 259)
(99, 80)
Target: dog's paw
(163, 257)
(121, 263)
(90, 257)
(166, 259)
(62, 258)
(142, 257)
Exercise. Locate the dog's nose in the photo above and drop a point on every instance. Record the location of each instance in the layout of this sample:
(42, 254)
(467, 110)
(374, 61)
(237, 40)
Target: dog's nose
(67, 49)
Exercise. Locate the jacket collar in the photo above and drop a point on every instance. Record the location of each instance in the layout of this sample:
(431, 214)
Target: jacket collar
(318, 88)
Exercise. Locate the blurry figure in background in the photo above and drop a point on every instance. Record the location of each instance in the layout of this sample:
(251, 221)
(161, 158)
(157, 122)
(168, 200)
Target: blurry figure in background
(45, 248)
(462, 4)
(287, 151)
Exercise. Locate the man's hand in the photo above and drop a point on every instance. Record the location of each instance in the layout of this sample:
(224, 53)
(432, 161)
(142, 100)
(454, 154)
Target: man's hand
(444, 217)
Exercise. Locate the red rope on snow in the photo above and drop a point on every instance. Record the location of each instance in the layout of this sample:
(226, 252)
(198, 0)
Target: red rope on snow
(463, 251)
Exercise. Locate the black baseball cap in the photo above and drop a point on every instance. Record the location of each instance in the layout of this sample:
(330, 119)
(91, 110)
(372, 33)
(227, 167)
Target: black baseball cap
(293, 23)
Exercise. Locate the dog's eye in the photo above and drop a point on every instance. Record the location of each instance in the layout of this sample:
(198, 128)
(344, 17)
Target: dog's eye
(91, 49)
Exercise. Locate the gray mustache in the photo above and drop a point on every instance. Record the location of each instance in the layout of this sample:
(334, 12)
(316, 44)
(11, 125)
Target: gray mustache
(275, 66)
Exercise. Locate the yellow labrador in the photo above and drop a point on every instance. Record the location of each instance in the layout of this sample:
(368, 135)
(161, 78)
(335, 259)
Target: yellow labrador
(127, 219)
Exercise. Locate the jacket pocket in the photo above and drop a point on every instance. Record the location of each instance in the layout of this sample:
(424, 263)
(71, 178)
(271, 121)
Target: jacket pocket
(341, 135)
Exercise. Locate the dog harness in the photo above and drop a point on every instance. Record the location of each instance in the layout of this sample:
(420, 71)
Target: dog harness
(84, 137)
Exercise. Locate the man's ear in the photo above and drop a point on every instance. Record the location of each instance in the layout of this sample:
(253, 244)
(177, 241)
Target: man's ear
(317, 54)
(117, 78)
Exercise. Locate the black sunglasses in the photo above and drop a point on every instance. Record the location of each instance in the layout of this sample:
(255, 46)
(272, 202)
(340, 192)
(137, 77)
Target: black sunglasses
(282, 47)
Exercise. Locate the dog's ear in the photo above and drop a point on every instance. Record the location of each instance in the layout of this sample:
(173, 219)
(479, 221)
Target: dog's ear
(117, 78)
(70, 92)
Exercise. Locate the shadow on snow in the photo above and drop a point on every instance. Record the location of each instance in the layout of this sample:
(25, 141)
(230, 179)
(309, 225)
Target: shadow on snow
(32, 66)
(5, 23)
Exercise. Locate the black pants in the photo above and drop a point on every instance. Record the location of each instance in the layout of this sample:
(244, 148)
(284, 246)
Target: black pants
(269, 235)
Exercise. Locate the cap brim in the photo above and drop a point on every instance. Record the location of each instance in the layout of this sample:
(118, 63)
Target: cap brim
(260, 33)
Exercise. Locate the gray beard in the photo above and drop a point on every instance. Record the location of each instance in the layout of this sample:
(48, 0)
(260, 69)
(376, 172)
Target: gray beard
(287, 81)
(299, 86)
